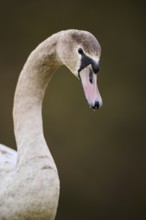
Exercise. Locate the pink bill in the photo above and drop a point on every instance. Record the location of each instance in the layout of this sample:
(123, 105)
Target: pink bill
(89, 83)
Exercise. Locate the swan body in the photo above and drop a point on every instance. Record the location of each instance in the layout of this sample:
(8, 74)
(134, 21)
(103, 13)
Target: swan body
(29, 182)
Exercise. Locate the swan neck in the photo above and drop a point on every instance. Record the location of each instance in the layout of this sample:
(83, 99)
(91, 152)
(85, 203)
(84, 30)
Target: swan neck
(31, 86)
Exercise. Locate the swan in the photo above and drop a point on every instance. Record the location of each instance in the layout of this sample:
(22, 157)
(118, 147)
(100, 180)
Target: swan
(29, 182)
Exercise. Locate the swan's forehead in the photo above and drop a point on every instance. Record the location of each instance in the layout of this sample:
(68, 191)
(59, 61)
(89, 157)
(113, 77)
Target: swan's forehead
(88, 42)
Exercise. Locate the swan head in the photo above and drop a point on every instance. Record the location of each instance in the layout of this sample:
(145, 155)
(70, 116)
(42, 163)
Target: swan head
(80, 52)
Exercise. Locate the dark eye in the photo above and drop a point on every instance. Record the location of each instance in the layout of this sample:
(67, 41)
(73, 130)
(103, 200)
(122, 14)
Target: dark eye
(80, 51)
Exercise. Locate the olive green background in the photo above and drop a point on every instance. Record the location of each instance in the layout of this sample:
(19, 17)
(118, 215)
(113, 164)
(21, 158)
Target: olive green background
(100, 155)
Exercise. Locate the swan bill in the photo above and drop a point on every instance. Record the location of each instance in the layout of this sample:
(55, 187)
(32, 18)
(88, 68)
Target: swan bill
(89, 83)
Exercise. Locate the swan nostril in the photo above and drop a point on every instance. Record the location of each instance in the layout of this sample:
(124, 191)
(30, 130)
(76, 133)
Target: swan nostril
(96, 105)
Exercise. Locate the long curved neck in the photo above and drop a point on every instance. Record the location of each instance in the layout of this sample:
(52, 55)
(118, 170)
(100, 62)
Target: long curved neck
(27, 111)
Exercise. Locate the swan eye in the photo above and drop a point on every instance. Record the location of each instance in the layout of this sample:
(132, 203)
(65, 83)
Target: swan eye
(80, 51)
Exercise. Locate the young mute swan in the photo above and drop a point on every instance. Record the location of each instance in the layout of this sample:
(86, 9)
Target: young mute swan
(29, 183)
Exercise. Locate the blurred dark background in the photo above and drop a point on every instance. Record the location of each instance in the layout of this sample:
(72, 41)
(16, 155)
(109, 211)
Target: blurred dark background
(100, 155)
